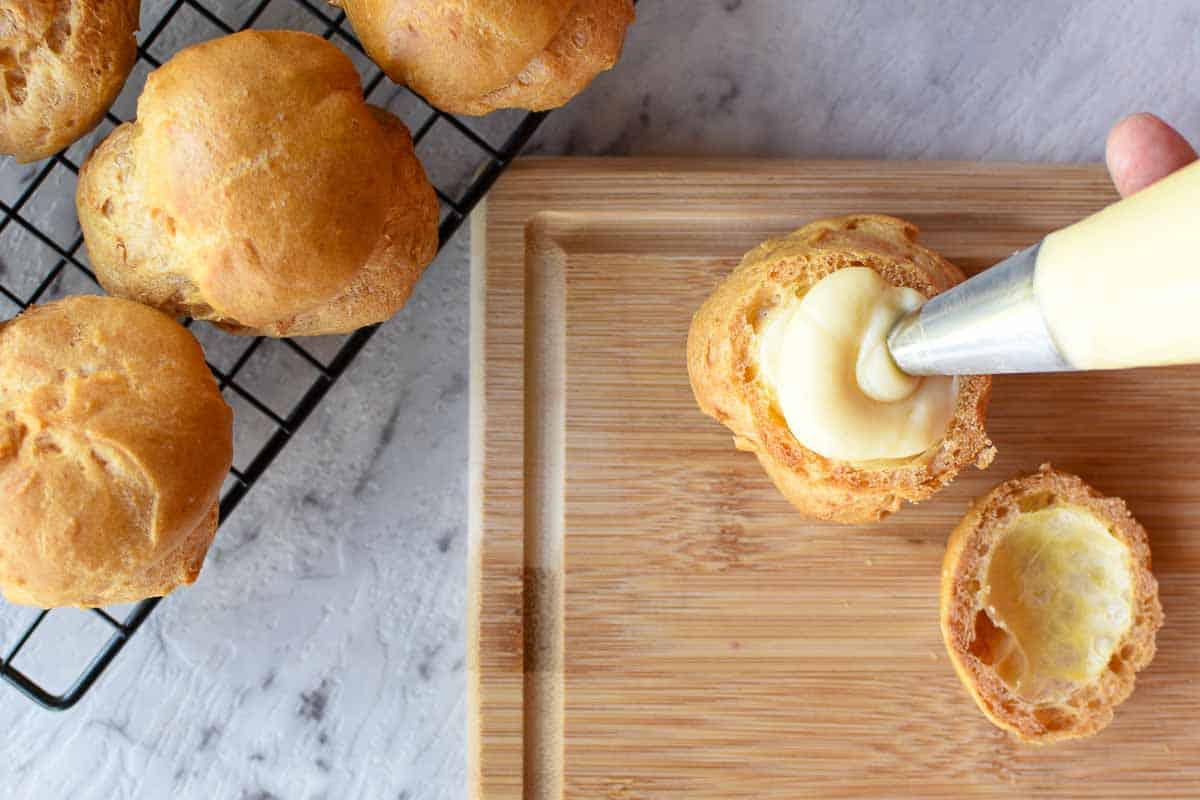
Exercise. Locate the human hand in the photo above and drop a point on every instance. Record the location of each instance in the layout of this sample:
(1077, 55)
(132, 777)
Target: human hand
(1142, 149)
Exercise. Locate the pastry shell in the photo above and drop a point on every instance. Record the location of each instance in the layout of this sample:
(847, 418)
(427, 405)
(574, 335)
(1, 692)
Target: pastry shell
(723, 370)
(967, 628)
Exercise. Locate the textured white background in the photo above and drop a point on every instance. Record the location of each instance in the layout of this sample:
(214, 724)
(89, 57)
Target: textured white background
(321, 653)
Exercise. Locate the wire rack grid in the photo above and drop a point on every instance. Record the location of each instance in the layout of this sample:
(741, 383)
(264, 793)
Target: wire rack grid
(274, 385)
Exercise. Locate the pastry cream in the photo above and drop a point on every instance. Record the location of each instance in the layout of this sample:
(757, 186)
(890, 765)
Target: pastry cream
(1060, 585)
(1120, 288)
(825, 359)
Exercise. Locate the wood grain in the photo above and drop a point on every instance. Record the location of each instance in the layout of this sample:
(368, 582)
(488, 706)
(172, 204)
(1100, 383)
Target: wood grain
(649, 619)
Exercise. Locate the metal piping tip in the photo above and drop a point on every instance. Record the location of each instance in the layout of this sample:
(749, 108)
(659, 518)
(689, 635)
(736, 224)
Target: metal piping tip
(987, 325)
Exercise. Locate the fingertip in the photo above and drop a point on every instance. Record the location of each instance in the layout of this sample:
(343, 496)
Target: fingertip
(1142, 149)
(1128, 130)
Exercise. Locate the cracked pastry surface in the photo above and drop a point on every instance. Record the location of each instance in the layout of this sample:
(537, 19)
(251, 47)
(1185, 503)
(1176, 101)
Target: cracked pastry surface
(725, 367)
(258, 190)
(1048, 605)
(114, 443)
(62, 64)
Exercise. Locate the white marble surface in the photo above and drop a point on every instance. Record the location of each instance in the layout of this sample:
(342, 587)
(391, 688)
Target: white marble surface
(321, 653)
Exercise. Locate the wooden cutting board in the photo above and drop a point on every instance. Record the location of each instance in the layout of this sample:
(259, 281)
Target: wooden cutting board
(649, 619)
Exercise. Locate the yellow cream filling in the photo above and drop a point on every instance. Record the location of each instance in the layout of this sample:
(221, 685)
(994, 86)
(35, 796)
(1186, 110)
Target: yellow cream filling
(824, 359)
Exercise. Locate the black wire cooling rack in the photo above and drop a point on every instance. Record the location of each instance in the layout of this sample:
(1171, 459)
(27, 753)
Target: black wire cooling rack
(481, 150)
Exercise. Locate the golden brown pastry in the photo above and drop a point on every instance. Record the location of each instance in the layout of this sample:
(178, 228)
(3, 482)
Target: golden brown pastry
(475, 56)
(1048, 605)
(114, 442)
(259, 191)
(62, 64)
(733, 333)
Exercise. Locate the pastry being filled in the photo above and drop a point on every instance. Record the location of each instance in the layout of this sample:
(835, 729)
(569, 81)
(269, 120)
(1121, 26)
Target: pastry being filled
(1048, 607)
(789, 353)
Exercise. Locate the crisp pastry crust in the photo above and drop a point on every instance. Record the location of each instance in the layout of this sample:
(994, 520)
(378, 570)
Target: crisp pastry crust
(257, 190)
(966, 626)
(114, 443)
(62, 64)
(476, 56)
(723, 371)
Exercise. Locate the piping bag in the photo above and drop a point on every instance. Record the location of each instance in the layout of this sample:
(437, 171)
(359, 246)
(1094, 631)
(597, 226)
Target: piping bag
(1119, 289)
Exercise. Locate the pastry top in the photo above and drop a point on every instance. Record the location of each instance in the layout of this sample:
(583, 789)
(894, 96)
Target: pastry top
(1048, 652)
(474, 56)
(114, 443)
(722, 364)
(255, 187)
(62, 64)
